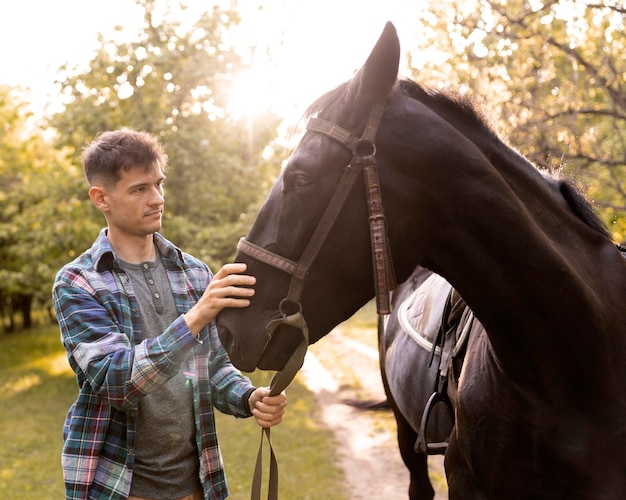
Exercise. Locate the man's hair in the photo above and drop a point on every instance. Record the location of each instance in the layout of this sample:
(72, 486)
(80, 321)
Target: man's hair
(114, 151)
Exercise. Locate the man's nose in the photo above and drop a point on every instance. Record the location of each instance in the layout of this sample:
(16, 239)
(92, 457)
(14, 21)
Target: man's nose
(157, 196)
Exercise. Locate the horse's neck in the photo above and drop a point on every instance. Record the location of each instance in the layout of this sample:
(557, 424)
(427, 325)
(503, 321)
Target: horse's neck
(518, 256)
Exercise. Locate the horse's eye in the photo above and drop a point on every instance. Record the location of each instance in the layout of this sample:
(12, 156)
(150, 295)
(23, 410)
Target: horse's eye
(296, 180)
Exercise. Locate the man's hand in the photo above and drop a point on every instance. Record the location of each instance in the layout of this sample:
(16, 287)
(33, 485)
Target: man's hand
(268, 411)
(228, 288)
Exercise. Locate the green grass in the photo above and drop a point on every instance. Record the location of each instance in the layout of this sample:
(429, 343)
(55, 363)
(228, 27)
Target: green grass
(305, 450)
(37, 387)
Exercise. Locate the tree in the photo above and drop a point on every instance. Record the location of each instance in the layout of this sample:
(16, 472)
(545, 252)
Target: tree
(42, 220)
(173, 81)
(554, 71)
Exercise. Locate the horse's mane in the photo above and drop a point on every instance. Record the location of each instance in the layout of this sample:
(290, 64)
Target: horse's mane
(457, 108)
(447, 103)
(464, 108)
(325, 100)
(578, 204)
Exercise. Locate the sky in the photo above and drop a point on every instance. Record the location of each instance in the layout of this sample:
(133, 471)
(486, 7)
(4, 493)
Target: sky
(324, 41)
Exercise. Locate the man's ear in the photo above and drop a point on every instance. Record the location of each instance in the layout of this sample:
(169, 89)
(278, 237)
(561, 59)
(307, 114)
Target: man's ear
(99, 198)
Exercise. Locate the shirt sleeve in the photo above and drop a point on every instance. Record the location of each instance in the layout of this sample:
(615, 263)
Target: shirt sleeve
(95, 326)
(229, 388)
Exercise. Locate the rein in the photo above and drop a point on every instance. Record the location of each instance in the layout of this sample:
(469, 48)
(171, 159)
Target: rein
(363, 160)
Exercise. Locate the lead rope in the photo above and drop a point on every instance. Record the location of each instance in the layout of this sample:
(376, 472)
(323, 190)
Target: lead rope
(279, 383)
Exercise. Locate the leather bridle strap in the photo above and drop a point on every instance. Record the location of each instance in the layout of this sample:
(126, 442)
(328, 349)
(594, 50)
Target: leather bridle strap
(363, 159)
(384, 275)
(299, 270)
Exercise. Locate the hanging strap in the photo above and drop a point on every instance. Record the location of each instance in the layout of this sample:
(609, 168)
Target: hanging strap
(279, 383)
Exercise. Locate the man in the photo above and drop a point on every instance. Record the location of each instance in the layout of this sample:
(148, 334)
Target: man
(136, 317)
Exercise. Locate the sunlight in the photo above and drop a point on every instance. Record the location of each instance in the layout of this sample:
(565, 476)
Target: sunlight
(251, 93)
(297, 50)
(19, 385)
(50, 366)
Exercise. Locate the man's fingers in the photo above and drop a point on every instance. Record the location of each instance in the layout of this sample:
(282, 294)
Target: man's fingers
(232, 268)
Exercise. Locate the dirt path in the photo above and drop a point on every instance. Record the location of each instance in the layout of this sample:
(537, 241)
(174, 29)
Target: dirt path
(367, 443)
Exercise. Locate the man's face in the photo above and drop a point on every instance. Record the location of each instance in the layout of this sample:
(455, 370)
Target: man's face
(134, 205)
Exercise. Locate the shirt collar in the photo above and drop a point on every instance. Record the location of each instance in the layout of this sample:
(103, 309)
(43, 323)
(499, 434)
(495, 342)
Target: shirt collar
(105, 258)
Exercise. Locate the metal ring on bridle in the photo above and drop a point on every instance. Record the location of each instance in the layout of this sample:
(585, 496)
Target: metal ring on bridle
(283, 313)
(365, 144)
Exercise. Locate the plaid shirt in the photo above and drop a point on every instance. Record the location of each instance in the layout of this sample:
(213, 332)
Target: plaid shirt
(115, 367)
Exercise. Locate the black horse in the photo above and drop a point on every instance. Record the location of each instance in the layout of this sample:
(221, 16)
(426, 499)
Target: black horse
(540, 409)
(422, 348)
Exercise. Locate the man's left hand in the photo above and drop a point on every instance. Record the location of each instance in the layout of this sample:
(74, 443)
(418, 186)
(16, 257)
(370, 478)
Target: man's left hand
(267, 410)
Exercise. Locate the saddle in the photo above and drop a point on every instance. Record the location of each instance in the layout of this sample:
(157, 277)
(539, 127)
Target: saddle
(437, 318)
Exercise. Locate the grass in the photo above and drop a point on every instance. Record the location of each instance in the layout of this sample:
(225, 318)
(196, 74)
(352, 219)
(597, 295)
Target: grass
(304, 449)
(37, 387)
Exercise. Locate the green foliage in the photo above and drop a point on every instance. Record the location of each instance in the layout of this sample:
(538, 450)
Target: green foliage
(43, 221)
(174, 82)
(553, 70)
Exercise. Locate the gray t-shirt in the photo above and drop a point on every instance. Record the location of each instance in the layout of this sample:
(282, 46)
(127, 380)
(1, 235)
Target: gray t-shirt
(166, 455)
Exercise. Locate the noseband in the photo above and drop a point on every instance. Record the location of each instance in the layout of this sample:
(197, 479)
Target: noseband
(363, 160)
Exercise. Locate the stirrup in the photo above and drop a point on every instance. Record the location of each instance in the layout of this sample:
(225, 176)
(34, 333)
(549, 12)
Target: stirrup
(422, 445)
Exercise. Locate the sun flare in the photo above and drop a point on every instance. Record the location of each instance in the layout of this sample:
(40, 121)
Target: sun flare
(296, 49)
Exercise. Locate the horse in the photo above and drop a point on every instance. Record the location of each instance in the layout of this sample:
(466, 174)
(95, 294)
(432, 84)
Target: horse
(417, 373)
(539, 410)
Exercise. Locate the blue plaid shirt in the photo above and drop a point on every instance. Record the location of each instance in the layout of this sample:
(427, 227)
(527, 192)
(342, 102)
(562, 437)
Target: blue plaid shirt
(115, 367)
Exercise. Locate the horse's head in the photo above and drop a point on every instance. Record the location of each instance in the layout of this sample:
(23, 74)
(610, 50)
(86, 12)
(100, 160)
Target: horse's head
(337, 279)
(451, 191)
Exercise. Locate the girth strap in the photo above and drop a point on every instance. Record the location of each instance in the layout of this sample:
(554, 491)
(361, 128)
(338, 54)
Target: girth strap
(456, 315)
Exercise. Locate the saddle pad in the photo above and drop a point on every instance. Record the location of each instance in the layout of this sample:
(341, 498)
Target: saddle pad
(420, 314)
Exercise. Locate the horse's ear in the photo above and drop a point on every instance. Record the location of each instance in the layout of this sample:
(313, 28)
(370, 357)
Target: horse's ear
(377, 76)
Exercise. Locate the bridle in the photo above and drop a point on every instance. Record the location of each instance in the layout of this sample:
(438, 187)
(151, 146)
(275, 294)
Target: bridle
(363, 160)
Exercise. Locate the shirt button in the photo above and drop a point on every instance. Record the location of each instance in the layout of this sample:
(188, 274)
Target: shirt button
(131, 451)
(151, 282)
(157, 296)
